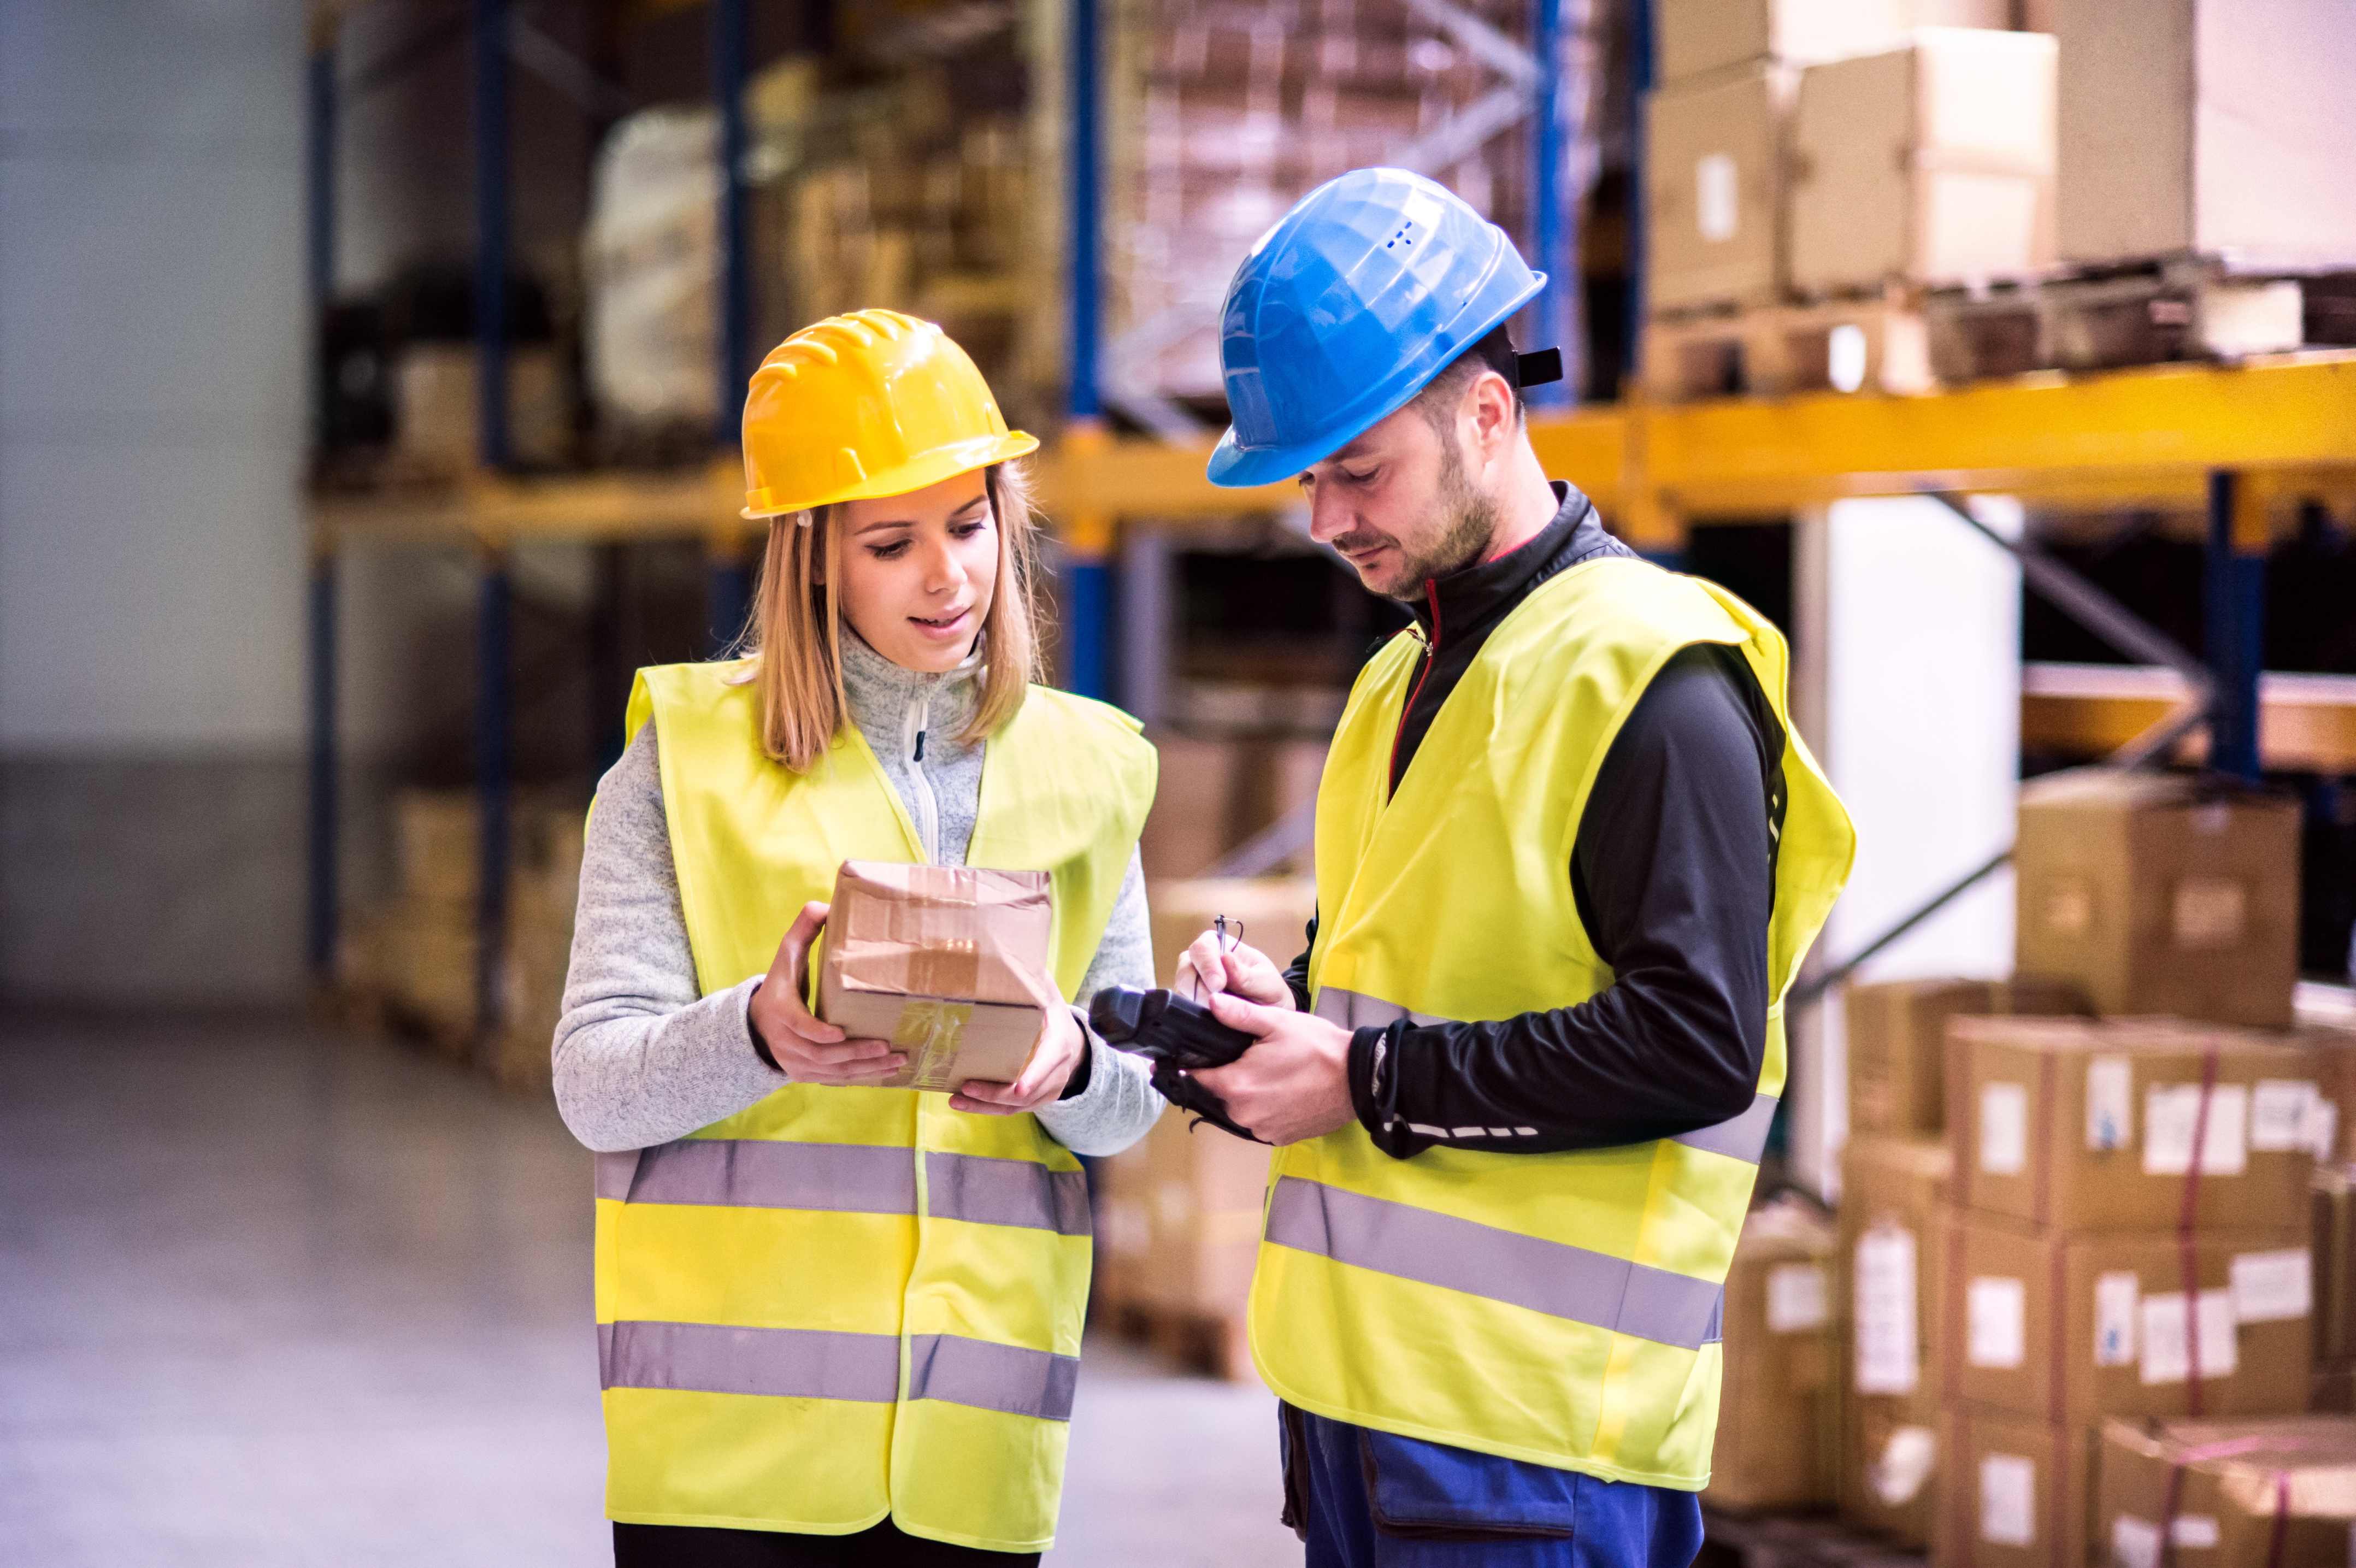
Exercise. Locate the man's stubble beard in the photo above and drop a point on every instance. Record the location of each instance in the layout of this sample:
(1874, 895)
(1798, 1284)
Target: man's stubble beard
(1471, 524)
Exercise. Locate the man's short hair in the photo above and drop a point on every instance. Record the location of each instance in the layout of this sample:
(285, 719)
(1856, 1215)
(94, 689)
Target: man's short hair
(1440, 395)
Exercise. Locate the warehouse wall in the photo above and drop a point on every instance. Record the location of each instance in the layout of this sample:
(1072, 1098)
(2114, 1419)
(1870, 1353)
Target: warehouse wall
(151, 427)
(1908, 681)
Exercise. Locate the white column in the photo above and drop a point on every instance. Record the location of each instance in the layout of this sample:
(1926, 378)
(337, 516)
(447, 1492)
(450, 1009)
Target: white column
(1908, 685)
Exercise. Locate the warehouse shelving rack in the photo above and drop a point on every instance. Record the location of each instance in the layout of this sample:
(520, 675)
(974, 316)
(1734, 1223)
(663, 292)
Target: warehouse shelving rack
(2239, 444)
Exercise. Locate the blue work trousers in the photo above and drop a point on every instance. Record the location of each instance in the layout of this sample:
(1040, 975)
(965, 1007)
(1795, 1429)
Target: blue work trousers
(1363, 1498)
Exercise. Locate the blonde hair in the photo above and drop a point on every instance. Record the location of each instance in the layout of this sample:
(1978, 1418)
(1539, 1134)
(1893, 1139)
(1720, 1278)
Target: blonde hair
(793, 638)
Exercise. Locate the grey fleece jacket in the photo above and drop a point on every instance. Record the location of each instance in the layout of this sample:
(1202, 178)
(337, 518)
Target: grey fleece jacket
(641, 1059)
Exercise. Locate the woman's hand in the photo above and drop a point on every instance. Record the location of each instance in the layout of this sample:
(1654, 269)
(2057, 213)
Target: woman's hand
(1210, 967)
(809, 1051)
(1053, 1061)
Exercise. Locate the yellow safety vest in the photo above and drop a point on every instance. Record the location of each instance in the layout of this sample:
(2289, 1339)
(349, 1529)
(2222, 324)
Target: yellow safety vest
(842, 1305)
(1562, 1309)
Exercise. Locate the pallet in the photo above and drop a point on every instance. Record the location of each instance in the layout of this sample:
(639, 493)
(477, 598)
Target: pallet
(1214, 1344)
(2178, 309)
(1743, 1540)
(1836, 346)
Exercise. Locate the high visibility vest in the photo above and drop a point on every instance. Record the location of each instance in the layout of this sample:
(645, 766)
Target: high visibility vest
(1560, 1308)
(842, 1305)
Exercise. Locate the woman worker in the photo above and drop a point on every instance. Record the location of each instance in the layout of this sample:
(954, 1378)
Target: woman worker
(839, 1323)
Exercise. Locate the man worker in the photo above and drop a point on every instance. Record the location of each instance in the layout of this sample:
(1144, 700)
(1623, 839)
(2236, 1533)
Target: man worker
(1569, 853)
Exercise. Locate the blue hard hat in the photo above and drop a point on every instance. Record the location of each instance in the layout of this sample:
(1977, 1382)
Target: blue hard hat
(1359, 295)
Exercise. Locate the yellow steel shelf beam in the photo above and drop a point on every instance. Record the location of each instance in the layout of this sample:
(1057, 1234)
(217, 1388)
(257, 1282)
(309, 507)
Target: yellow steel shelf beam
(2307, 723)
(2131, 437)
(495, 510)
(2129, 432)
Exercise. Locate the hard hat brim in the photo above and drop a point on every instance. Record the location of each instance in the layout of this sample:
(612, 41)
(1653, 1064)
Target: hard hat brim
(1235, 467)
(929, 468)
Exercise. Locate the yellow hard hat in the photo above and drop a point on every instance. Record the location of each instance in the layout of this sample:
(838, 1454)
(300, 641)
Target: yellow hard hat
(873, 403)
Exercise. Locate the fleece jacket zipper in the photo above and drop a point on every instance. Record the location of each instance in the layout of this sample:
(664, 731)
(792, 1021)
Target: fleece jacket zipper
(1431, 657)
(927, 806)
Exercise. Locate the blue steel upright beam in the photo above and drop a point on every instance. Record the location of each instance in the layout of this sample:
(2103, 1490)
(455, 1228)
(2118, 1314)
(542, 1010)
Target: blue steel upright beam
(1087, 536)
(729, 46)
(491, 231)
(324, 835)
(1554, 229)
(727, 592)
(492, 695)
(1641, 74)
(1083, 156)
(2235, 602)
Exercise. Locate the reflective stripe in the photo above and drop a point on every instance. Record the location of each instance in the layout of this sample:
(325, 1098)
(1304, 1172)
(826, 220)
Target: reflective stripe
(992, 1376)
(862, 1179)
(764, 1173)
(783, 1363)
(1351, 1010)
(989, 1191)
(1742, 1137)
(812, 1363)
(614, 1173)
(1552, 1277)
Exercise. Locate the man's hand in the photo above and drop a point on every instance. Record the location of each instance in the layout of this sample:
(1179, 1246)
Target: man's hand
(1053, 1061)
(809, 1051)
(1210, 967)
(1294, 1083)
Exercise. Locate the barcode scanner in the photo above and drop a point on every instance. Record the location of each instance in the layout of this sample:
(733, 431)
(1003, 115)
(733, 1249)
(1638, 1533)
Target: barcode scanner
(1179, 1037)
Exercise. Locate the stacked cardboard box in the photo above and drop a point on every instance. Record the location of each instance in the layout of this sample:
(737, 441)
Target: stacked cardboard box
(1217, 792)
(1896, 1037)
(542, 894)
(2129, 1236)
(416, 954)
(1776, 1424)
(1182, 1219)
(2228, 1494)
(437, 432)
(1271, 913)
(1718, 163)
(868, 195)
(2334, 1127)
(2155, 894)
(1965, 117)
(651, 255)
(2242, 156)
(1181, 1211)
(2334, 1240)
(1893, 1236)
(1225, 115)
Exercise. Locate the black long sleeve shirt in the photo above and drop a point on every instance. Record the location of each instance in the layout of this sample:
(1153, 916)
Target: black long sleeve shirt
(1673, 874)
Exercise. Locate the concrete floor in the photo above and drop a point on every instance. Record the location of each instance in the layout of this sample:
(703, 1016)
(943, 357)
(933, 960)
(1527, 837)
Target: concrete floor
(269, 1295)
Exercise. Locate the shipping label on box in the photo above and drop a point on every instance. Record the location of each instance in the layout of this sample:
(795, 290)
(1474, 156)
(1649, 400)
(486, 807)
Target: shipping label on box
(1893, 1241)
(2104, 1126)
(2068, 1327)
(2022, 1490)
(1714, 185)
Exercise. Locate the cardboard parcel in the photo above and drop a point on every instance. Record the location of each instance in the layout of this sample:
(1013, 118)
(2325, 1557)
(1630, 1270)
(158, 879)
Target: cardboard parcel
(2228, 1494)
(948, 962)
